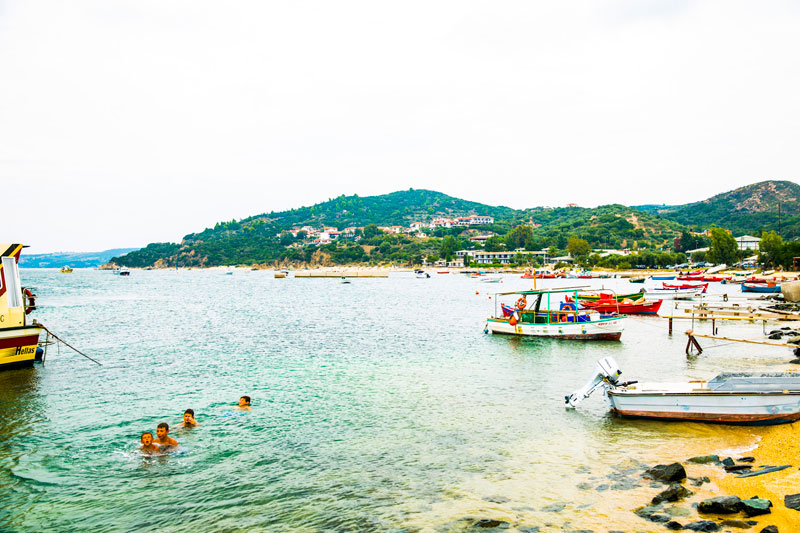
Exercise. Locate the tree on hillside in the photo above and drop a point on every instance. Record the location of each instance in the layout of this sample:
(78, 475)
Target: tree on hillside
(520, 237)
(495, 244)
(769, 248)
(578, 248)
(371, 230)
(723, 247)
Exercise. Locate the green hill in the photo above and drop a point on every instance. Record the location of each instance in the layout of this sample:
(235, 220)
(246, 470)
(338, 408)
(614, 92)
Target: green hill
(749, 209)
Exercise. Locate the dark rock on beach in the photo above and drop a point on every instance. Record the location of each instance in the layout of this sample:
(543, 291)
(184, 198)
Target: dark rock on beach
(675, 492)
(698, 481)
(796, 360)
(738, 468)
(770, 529)
(728, 462)
(673, 525)
(776, 336)
(702, 525)
(746, 459)
(739, 524)
(666, 473)
(792, 501)
(721, 505)
(756, 506)
(490, 523)
(652, 513)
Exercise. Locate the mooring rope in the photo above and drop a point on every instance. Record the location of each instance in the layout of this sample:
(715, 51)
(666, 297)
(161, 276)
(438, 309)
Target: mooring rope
(65, 343)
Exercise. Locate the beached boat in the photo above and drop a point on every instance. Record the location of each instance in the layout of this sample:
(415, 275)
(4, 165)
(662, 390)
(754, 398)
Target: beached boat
(662, 277)
(541, 319)
(729, 398)
(18, 338)
(759, 287)
(609, 306)
(66, 269)
(637, 280)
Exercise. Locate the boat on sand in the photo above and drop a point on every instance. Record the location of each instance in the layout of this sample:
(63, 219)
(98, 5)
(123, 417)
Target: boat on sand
(742, 398)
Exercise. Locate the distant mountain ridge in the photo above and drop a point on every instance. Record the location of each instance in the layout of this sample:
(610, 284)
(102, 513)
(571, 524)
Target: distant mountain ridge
(748, 209)
(73, 259)
(263, 239)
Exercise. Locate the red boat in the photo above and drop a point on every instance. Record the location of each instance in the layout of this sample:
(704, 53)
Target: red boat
(715, 278)
(608, 305)
(704, 286)
(691, 277)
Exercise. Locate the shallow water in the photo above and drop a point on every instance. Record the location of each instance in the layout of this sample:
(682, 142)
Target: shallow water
(378, 405)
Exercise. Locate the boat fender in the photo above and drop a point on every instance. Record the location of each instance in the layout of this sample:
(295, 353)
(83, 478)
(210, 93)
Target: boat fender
(30, 300)
(522, 303)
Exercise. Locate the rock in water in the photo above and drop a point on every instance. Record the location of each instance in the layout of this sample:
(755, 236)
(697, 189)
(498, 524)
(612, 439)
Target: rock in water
(792, 501)
(675, 492)
(740, 524)
(776, 336)
(746, 459)
(704, 459)
(721, 505)
(728, 462)
(673, 525)
(666, 473)
(702, 525)
(770, 529)
(490, 522)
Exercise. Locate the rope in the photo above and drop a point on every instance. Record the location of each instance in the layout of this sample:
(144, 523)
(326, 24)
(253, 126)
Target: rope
(68, 345)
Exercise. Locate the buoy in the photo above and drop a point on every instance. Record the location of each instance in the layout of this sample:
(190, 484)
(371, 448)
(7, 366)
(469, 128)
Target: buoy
(476, 292)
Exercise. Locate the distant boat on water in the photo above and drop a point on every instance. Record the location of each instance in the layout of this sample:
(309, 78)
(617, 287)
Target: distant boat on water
(123, 271)
(66, 270)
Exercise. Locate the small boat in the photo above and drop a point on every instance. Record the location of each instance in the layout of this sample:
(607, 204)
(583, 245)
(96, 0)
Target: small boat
(540, 319)
(610, 306)
(703, 286)
(762, 288)
(637, 280)
(663, 277)
(492, 279)
(345, 281)
(690, 277)
(741, 398)
(443, 272)
(421, 274)
(66, 270)
(19, 339)
(597, 295)
(715, 278)
(677, 294)
(280, 274)
(123, 271)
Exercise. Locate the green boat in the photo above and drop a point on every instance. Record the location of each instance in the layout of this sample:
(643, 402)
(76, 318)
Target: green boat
(595, 295)
(636, 280)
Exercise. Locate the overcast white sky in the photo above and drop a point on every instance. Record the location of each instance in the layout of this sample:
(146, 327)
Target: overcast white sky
(124, 123)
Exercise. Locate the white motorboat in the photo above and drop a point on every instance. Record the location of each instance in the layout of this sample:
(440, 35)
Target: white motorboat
(421, 274)
(675, 294)
(540, 319)
(730, 398)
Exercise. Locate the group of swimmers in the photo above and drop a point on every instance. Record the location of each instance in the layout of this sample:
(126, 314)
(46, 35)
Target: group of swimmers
(164, 442)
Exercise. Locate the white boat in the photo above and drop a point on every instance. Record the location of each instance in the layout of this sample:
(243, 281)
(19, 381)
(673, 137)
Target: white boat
(675, 294)
(539, 319)
(729, 398)
(123, 271)
(421, 274)
(492, 279)
(19, 337)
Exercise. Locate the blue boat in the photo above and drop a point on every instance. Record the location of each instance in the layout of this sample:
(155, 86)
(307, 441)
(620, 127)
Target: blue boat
(665, 278)
(759, 287)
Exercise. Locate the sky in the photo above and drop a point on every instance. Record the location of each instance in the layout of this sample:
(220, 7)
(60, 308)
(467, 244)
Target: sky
(129, 122)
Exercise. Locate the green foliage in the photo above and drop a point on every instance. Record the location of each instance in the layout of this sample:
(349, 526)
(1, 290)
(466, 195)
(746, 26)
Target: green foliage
(769, 248)
(520, 237)
(723, 247)
(578, 248)
(371, 230)
(699, 257)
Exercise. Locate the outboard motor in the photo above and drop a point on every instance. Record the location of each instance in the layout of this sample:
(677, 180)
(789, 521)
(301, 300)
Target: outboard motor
(607, 374)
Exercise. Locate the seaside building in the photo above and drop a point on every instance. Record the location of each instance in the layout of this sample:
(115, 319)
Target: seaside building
(747, 242)
(487, 258)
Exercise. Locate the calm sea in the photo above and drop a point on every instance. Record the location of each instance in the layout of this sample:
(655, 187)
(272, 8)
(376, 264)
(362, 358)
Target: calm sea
(378, 405)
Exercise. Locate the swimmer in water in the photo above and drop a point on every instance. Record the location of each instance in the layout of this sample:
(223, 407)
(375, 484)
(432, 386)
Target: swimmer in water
(147, 446)
(189, 420)
(244, 403)
(163, 439)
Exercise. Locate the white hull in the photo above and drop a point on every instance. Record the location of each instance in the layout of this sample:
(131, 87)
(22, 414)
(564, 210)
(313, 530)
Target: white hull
(610, 329)
(682, 402)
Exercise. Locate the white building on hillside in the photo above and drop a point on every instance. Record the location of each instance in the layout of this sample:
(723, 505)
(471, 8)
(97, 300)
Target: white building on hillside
(747, 242)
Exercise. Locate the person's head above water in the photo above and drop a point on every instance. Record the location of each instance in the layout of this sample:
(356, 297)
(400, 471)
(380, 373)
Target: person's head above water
(244, 401)
(147, 438)
(162, 430)
(188, 417)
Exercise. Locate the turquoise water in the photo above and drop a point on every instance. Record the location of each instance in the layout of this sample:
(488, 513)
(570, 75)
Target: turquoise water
(378, 405)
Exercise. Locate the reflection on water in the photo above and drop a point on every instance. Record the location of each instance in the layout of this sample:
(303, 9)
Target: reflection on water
(377, 405)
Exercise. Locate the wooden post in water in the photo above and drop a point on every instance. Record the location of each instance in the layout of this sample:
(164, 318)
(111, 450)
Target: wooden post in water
(670, 325)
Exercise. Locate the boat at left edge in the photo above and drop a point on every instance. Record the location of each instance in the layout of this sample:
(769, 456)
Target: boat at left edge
(19, 339)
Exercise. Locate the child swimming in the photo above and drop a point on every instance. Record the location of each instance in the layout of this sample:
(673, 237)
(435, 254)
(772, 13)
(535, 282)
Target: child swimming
(163, 439)
(189, 420)
(147, 446)
(244, 403)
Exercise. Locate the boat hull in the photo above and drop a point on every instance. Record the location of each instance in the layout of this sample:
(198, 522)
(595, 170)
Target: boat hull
(605, 329)
(18, 346)
(761, 288)
(739, 408)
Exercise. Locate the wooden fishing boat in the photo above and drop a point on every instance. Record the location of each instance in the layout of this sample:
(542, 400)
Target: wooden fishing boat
(729, 398)
(549, 316)
(677, 294)
(637, 280)
(715, 278)
(663, 277)
(703, 286)
(690, 277)
(18, 339)
(610, 306)
(762, 288)
(597, 295)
